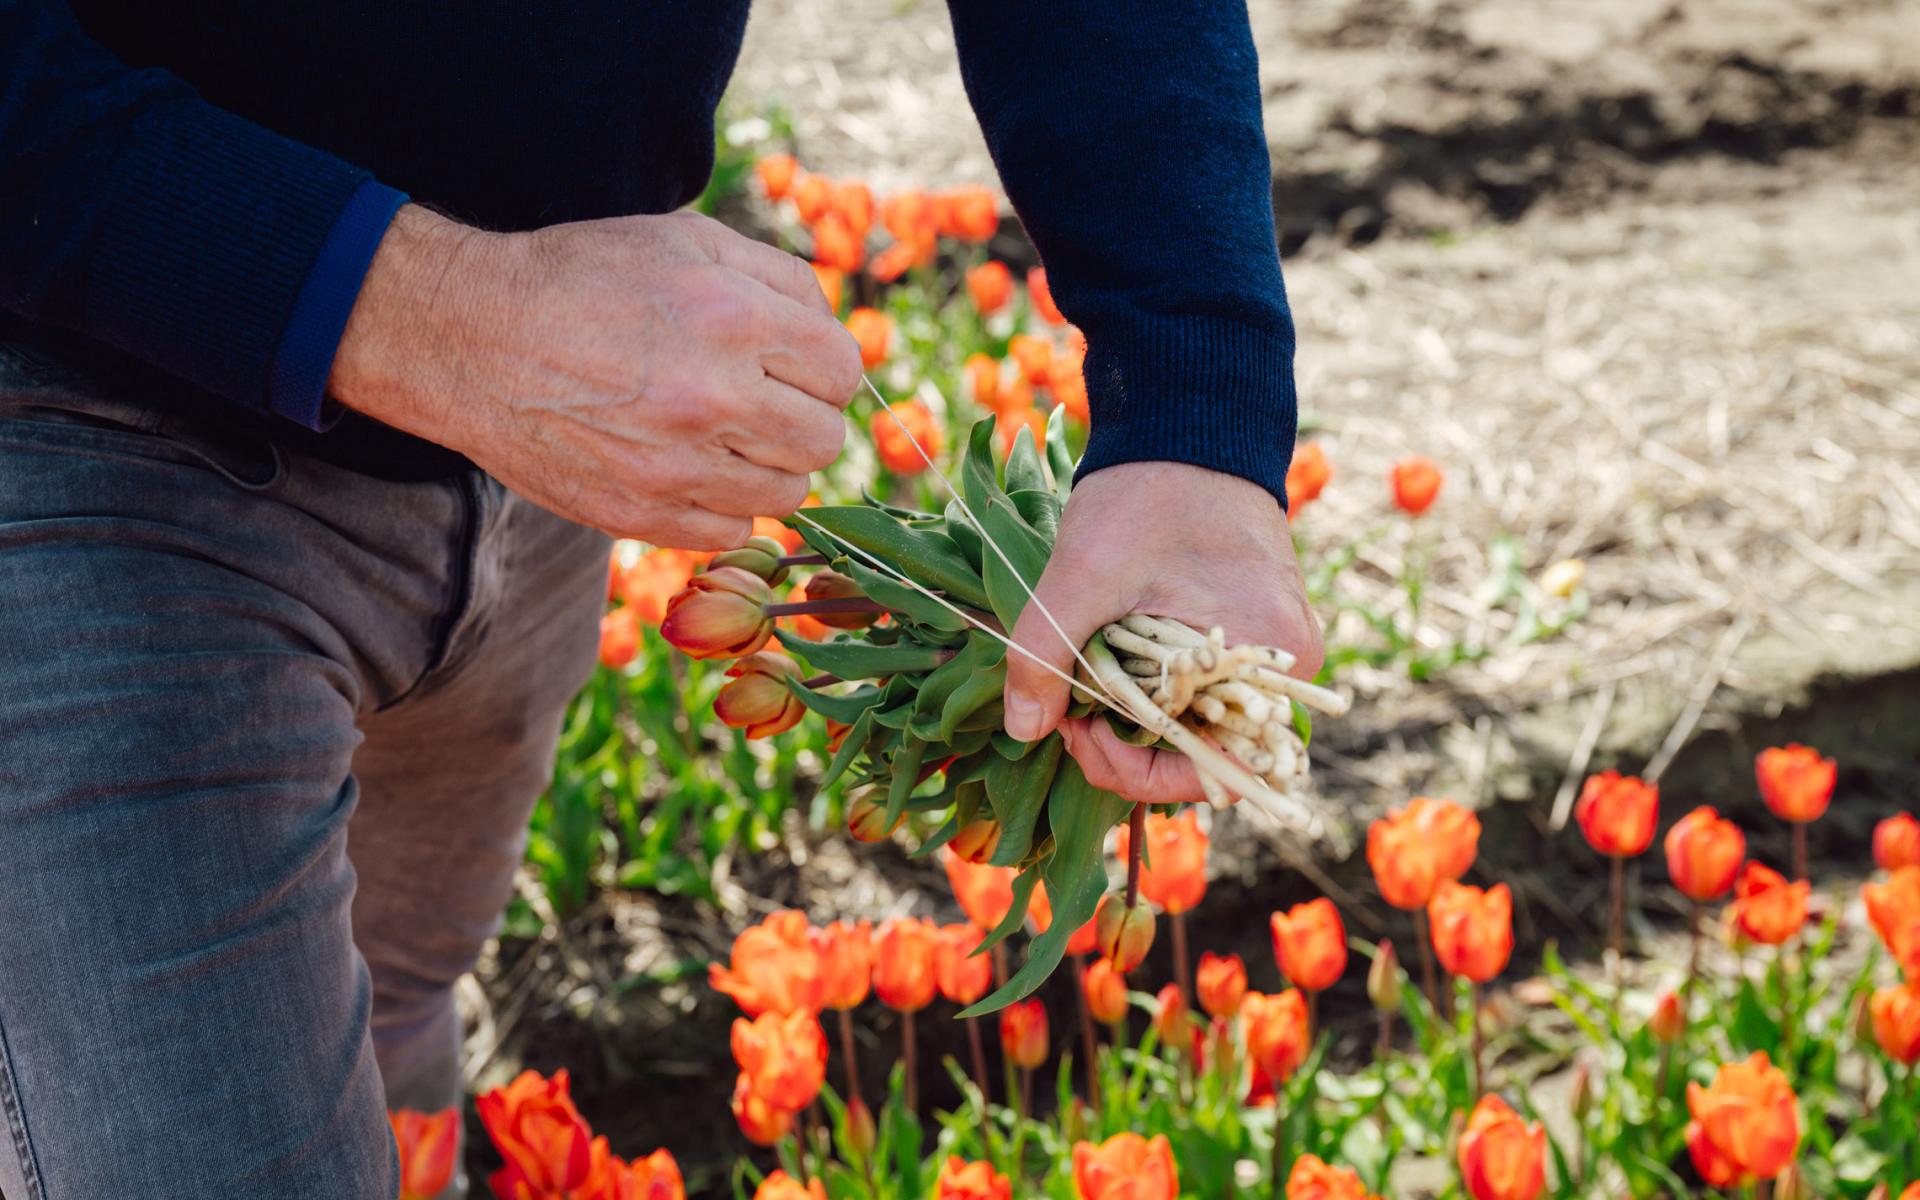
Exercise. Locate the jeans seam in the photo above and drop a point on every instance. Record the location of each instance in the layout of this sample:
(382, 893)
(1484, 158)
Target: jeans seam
(469, 541)
(17, 1124)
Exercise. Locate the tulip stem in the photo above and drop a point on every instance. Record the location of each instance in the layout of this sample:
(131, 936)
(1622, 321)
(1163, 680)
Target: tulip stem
(1429, 981)
(979, 1061)
(802, 560)
(1089, 1046)
(1479, 1043)
(820, 681)
(907, 1062)
(847, 1052)
(1277, 1169)
(1799, 849)
(1136, 847)
(836, 604)
(1183, 971)
(1617, 921)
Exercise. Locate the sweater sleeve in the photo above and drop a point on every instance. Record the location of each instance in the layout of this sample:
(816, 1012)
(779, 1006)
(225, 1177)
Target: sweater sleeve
(139, 215)
(1128, 135)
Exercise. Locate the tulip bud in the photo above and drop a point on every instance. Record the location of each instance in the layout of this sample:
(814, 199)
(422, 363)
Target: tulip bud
(719, 614)
(867, 819)
(831, 585)
(1880, 1192)
(619, 637)
(1669, 1020)
(1563, 578)
(1789, 1184)
(860, 1133)
(1023, 1033)
(977, 839)
(757, 699)
(836, 733)
(1580, 1093)
(1383, 979)
(760, 556)
(1106, 992)
(1123, 934)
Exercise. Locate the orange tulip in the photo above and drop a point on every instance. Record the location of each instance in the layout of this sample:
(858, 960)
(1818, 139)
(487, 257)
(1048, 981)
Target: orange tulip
(1067, 380)
(903, 975)
(720, 614)
(783, 1057)
(1277, 1034)
(1618, 813)
(1472, 929)
(1795, 781)
(1766, 907)
(1125, 1167)
(609, 1177)
(538, 1132)
(1310, 944)
(777, 172)
(844, 951)
(853, 204)
(832, 585)
(1893, 908)
(1221, 983)
(867, 818)
(985, 893)
(896, 446)
(963, 1180)
(1170, 1019)
(1412, 850)
(1501, 1156)
(1896, 842)
(983, 380)
(757, 700)
(782, 1186)
(761, 1123)
(812, 197)
(1032, 355)
(910, 216)
(1106, 991)
(427, 1143)
(1023, 1033)
(650, 584)
(1042, 297)
(1669, 1019)
(1749, 1116)
(873, 329)
(1896, 1022)
(991, 286)
(1122, 932)
(897, 259)
(1175, 873)
(1415, 482)
(1040, 916)
(977, 839)
(970, 213)
(833, 283)
(619, 637)
(1313, 1179)
(1307, 476)
(836, 245)
(962, 976)
(775, 967)
(1703, 853)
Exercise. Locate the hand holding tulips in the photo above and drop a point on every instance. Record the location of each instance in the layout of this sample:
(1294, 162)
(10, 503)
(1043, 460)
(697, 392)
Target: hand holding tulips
(658, 377)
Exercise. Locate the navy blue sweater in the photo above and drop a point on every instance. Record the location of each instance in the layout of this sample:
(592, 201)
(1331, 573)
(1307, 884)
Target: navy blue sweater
(191, 190)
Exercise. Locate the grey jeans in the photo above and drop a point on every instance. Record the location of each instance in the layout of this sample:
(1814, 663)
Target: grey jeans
(270, 732)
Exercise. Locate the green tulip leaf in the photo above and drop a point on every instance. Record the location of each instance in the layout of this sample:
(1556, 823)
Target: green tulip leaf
(1023, 464)
(850, 659)
(844, 709)
(1017, 789)
(926, 555)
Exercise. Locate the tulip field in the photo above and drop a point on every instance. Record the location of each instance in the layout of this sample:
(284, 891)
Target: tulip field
(840, 674)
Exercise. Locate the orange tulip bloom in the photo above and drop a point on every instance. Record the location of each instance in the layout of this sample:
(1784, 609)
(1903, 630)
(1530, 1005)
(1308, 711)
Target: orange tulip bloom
(1412, 850)
(1011, 421)
(1170, 1018)
(1042, 297)
(654, 578)
(812, 197)
(1068, 383)
(1894, 909)
(757, 700)
(609, 1177)
(962, 976)
(1669, 1020)
(1415, 482)
(1896, 1022)
(1221, 983)
(903, 975)
(619, 637)
(1472, 929)
(1795, 781)
(1715, 1169)
(1040, 914)
(1106, 992)
(853, 204)
(897, 259)
(1703, 853)
(775, 967)
(985, 893)
(873, 329)
(1310, 944)
(835, 244)
(970, 213)
(991, 286)
(867, 817)
(539, 1133)
(760, 1122)
(845, 953)
(1125, 1167)
(1277, 1034)
(427, 1143)
(1618, 813)
(720, 614)
(777, 172)
(1501, 1156)
(910, 216)
(983, 380)
(963, 1180)
(1766, 907)
(1749, 1116)
(783, 1057)
(1023, 1033)
(1032, 355)
(1175, 873)
(782, 1186)
(833, 283)
(893, 444)
(1313, 1179)
(1896, 842)
(1307, 476)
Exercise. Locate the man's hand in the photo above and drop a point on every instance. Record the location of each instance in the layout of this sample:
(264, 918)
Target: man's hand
(655, 377)
(1169, 540)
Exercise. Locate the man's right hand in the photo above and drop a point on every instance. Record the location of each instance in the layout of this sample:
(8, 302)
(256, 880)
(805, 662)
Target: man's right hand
(658, 377)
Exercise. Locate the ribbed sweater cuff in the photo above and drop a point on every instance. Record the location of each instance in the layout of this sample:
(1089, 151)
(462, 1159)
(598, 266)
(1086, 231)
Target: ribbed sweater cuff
(1200, 390)
(214, 225)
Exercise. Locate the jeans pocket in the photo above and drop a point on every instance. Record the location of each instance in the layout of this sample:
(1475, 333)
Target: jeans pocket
(244, 458)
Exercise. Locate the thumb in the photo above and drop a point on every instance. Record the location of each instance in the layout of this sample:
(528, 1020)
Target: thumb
(1036, 697)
